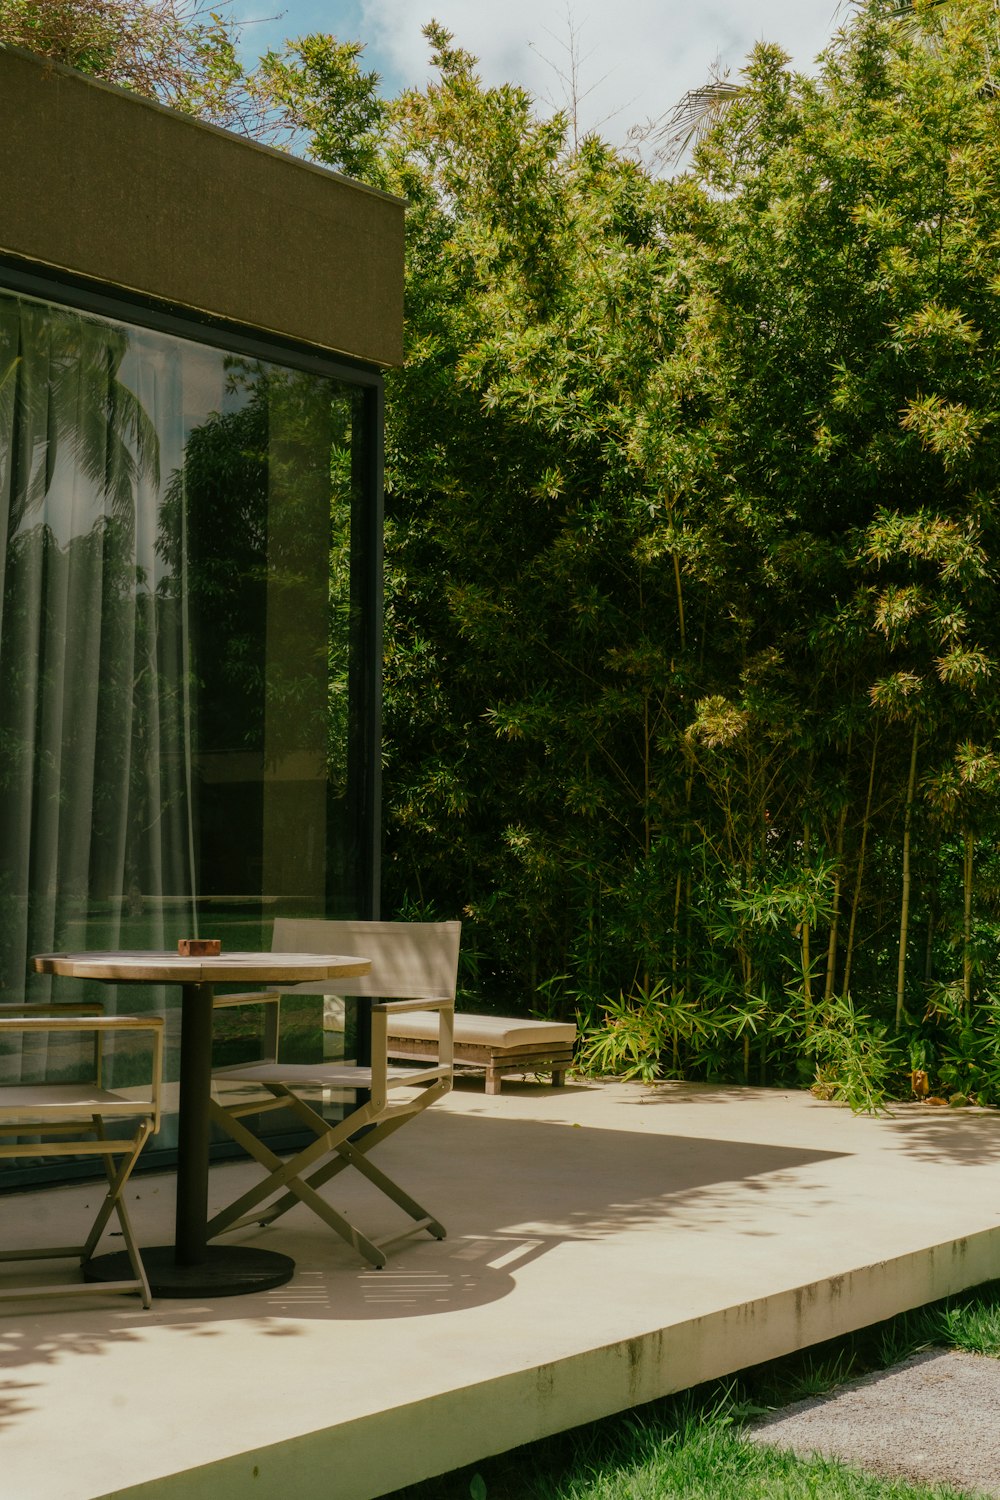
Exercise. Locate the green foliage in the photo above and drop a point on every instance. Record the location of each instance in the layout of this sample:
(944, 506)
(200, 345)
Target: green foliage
(692, 640)
(958, 1045)
(857, 1060)
(182, 53)
(317, 83)
(638, 1036)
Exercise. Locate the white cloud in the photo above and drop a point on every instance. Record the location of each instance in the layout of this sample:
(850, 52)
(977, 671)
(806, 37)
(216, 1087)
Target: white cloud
(638, 57)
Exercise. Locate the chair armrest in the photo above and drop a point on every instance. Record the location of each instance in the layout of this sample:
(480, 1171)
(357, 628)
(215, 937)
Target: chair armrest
(394, 1007)
(77, 1022)
(100, 1026)
(381, 1014)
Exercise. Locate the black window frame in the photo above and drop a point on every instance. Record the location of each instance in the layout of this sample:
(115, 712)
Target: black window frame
(105, 299)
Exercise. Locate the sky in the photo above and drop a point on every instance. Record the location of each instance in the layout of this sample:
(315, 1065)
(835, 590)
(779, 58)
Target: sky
(636, 58)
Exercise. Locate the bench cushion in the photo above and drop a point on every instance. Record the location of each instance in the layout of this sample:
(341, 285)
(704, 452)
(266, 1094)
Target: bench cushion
(485, 1031)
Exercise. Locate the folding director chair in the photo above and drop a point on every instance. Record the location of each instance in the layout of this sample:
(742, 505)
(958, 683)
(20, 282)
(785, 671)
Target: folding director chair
(69, 1119)
(414, 967)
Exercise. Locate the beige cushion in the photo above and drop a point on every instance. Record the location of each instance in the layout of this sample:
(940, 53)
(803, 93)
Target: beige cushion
(485, 1031)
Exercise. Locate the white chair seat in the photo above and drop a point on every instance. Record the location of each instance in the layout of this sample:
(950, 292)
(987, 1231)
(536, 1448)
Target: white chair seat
(64, 1101)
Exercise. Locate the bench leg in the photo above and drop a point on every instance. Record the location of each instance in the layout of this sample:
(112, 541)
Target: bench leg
(558, 1077)
(493, 1079)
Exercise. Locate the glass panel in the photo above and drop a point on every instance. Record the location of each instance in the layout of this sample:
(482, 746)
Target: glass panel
(179, 648)
(269, 492)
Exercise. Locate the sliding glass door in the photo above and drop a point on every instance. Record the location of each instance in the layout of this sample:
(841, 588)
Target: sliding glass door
(189, 633)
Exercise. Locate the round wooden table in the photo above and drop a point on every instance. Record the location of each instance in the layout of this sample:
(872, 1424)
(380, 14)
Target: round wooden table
(191, 1267)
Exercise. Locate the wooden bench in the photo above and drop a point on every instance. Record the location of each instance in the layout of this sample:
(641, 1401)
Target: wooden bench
(498, 1044)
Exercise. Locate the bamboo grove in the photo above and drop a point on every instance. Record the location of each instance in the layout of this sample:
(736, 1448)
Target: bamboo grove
(692, 626)
(692, 648)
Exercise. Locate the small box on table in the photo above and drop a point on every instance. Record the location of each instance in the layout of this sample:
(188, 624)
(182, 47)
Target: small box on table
(199, 947)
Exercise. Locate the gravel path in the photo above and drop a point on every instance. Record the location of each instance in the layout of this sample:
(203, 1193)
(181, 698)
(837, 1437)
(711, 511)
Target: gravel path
(933, 1419)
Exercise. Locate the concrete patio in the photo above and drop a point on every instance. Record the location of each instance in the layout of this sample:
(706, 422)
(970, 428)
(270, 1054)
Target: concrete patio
(607, 1244)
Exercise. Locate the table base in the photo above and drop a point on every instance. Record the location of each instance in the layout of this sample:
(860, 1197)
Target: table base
(226, 1271)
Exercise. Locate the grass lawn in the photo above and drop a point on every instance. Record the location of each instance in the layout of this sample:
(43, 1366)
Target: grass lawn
(691, 1445)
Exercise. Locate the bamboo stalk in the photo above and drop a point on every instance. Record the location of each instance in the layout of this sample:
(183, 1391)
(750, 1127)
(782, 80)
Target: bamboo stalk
(678, 888)
(904, 905)
(687, 933)
(686, 844)
(856, 899)
(647, 772)
(831, 950)
(806, 958)
(967, 922)
(680, 600)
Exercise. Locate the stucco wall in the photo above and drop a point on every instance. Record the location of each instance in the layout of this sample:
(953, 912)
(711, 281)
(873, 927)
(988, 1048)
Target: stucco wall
(109, 186)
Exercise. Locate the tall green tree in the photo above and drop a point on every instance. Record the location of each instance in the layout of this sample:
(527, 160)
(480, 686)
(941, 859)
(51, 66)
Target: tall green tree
(691, 649)
(850, 276)
(182, 53)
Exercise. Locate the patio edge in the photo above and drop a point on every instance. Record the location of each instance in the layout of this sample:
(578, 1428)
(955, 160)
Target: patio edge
(383, 1451)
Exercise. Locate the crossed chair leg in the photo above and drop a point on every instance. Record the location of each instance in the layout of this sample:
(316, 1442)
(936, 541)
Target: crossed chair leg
(344, 1147)
(113, 1203)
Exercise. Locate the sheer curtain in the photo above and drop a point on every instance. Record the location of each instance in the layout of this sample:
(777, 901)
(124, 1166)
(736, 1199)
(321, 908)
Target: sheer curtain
(96, 835)
(185, 707)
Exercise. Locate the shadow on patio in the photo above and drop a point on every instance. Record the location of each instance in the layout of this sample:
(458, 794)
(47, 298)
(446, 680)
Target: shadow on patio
(561, 1181)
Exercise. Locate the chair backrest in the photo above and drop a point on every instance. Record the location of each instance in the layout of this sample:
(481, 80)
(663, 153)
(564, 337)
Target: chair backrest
(410, 960)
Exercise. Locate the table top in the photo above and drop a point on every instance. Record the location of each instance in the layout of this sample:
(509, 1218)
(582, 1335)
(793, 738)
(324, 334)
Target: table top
(150, 967)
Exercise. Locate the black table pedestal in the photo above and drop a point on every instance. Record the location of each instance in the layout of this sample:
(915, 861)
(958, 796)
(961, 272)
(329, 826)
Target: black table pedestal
(226, 1271)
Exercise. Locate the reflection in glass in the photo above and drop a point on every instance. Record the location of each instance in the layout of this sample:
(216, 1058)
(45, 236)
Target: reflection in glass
(178, 641)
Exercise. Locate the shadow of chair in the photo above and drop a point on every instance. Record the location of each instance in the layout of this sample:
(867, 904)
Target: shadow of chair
(59, 1118)
(414, 965)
